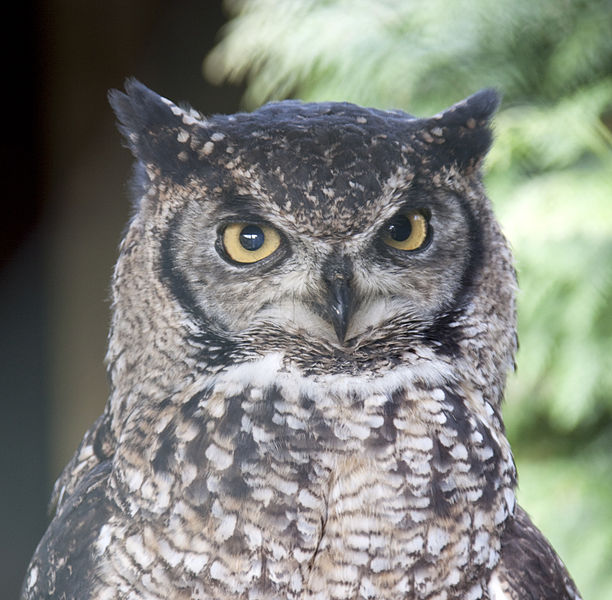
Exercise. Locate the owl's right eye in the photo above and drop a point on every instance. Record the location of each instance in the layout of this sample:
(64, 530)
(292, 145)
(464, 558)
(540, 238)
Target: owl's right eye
(407, 231)
(249, 243)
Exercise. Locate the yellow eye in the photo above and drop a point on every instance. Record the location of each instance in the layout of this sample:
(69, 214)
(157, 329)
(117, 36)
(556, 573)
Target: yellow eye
(248, 243)
(406, 231)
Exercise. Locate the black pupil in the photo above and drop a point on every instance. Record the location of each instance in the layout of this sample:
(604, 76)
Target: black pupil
(252, 237)
(400, 228)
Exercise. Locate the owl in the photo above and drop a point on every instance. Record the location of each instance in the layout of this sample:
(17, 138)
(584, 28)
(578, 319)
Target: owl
(313, 318)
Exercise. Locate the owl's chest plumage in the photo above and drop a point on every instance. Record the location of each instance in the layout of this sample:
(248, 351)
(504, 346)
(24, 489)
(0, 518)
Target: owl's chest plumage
(264, 483)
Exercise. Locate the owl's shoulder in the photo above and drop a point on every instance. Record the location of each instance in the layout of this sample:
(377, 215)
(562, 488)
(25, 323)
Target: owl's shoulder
(63, 566)
(529, 567)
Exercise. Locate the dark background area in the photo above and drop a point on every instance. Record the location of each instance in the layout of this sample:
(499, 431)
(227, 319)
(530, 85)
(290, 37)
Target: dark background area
(64, 204)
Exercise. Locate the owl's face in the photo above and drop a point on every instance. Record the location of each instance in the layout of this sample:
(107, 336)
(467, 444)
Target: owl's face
(326, 229)
(320, 222)
(249, 266)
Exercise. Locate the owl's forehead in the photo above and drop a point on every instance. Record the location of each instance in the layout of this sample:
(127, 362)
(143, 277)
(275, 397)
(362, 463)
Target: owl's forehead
(340, 136)
(324, 164)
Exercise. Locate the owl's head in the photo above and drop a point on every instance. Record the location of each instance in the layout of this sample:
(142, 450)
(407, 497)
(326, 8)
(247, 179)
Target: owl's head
(330, 233)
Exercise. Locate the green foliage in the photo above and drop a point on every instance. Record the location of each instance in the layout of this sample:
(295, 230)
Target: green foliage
(412, 54)
(549, 173)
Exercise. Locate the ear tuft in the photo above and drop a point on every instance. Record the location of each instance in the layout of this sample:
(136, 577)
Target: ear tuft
(153, 128)
(461, 135)
(475, 109)
(140, 111)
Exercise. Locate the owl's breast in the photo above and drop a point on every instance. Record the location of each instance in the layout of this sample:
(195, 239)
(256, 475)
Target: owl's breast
(348, 491)
(418, 487)
(326, 491)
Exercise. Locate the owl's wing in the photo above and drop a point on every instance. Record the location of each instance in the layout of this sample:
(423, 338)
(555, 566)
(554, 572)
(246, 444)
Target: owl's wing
(96, 446)
(63, 566)
(529, 568)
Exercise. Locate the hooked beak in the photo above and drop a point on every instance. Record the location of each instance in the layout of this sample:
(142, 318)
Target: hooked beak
(339, 297)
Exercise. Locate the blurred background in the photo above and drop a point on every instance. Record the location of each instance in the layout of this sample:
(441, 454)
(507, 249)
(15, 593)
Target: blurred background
(549, 175)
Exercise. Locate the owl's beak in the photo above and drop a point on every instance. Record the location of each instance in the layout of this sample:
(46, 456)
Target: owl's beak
(339, 298)
(339, 306)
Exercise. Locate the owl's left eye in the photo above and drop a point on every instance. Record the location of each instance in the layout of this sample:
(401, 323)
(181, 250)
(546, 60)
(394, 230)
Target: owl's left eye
(250, 243)
(406, 231)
